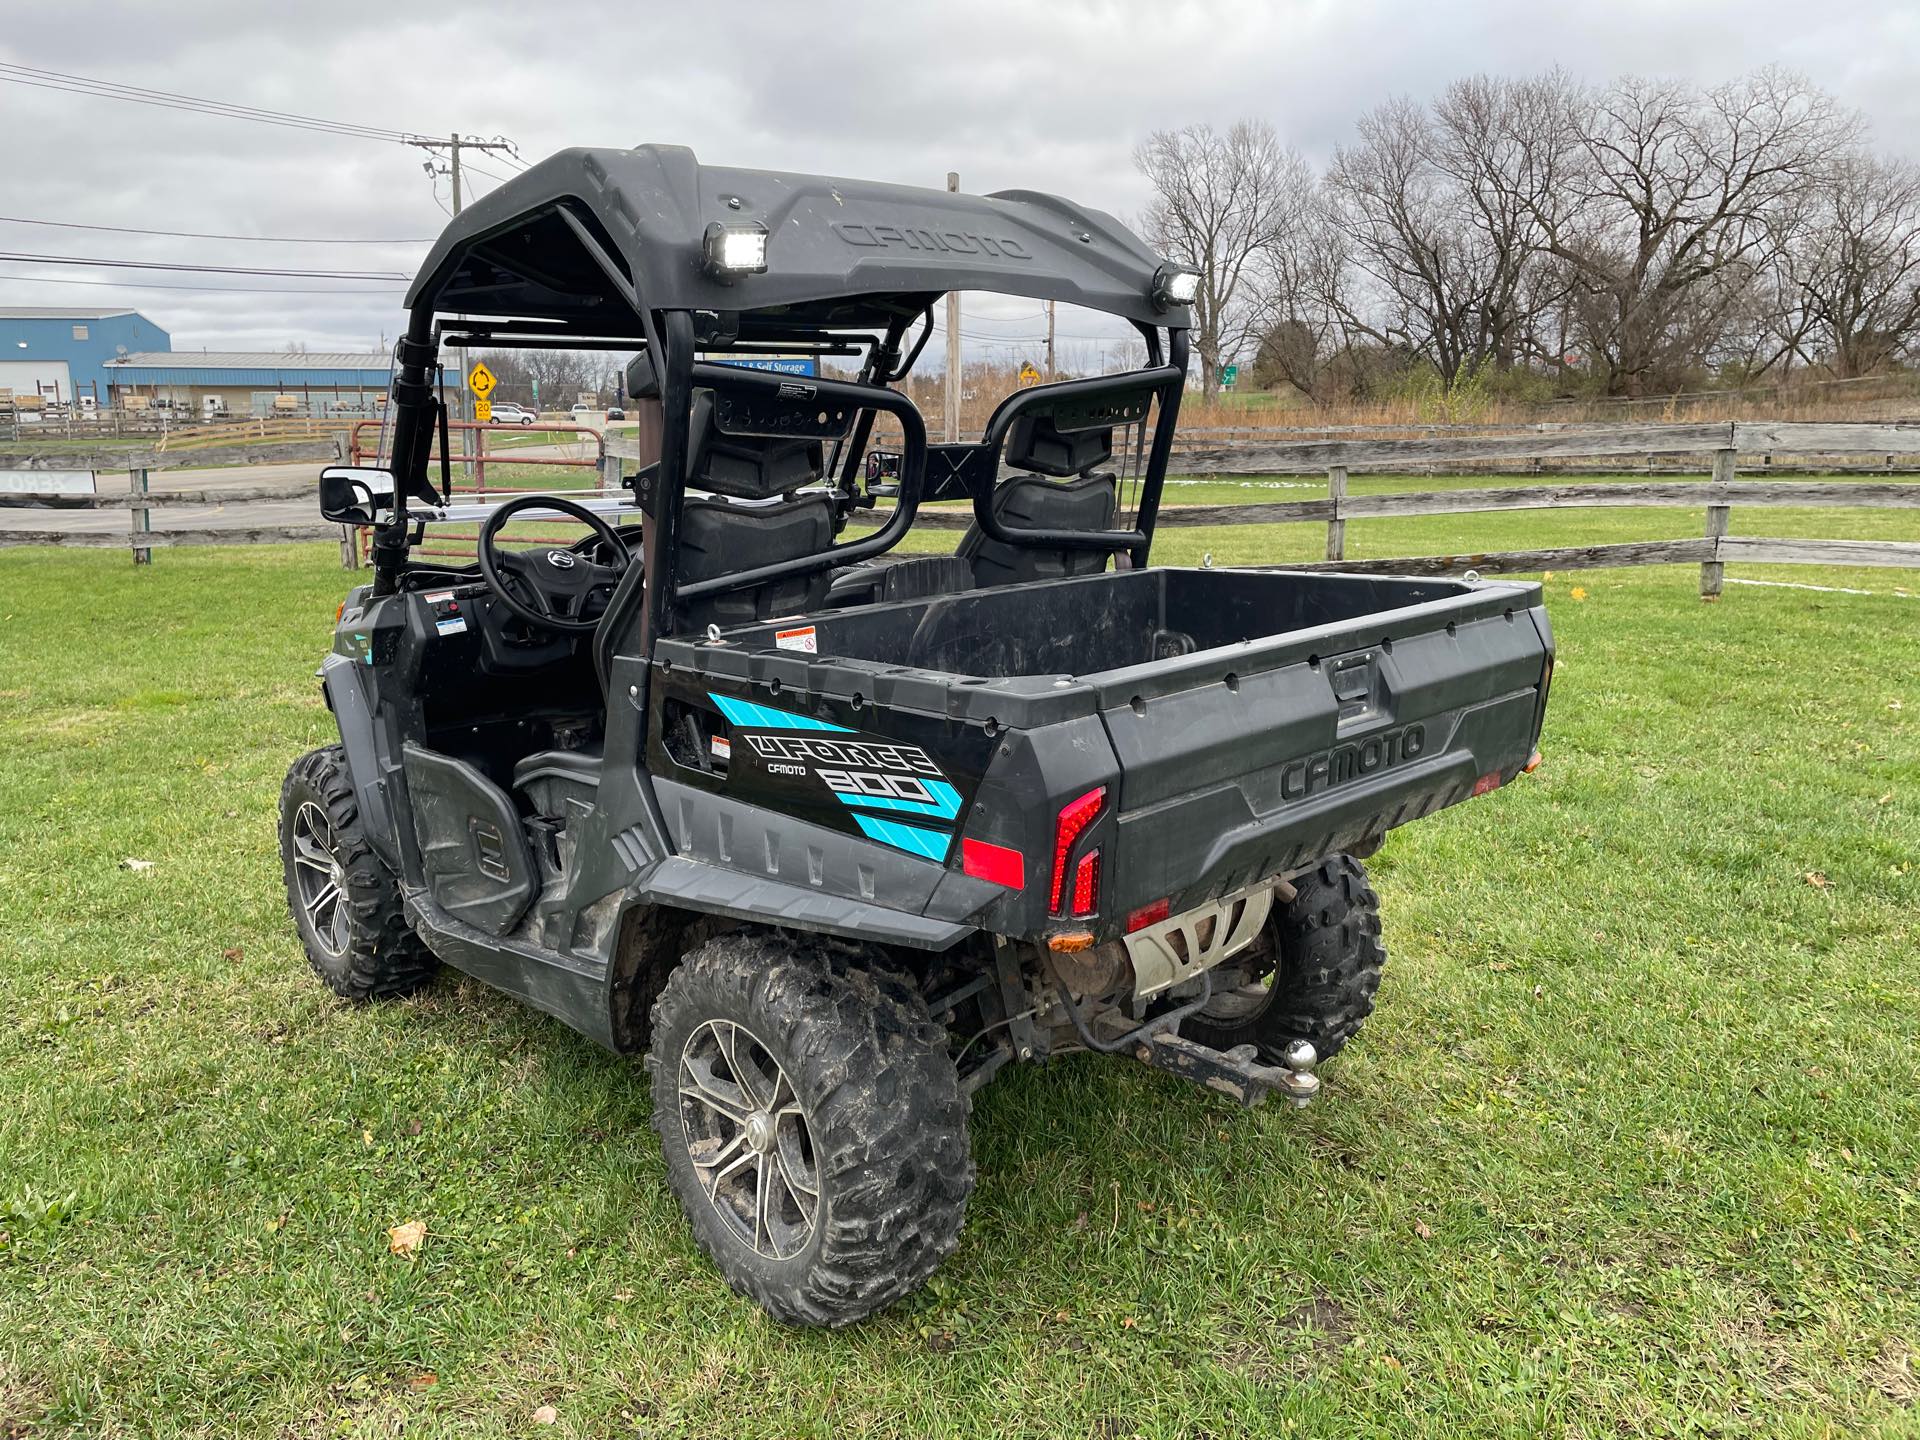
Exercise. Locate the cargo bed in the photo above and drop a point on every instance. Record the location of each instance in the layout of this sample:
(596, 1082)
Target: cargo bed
(1240, 723)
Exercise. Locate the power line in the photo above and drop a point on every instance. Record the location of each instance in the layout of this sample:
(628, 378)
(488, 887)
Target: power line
(204, 235)
(171, 100)
(204, 289)
(207, 269)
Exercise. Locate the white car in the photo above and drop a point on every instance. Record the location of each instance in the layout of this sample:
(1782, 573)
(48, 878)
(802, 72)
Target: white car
(581, 410)
(505, 412)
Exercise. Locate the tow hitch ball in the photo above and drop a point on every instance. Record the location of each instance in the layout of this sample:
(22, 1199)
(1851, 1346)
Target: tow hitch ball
(1237, 1072)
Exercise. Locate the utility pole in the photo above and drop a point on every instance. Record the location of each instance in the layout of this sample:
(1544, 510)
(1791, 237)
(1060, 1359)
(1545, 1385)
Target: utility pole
(1050, 369)
(453, 145)
(953, 345)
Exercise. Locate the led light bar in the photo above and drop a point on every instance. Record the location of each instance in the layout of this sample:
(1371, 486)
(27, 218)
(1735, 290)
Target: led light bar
(1174, 285)
(734, 250)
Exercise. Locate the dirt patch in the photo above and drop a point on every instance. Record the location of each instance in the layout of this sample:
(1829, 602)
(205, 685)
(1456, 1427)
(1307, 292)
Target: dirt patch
(24, 1402)
(1310, 1335)
(1891, 1373)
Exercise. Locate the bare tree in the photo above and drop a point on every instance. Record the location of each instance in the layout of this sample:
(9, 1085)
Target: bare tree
(1307, 315)
(1672, 198)
(1856, 263)
(1218, 201)
(1437, 211)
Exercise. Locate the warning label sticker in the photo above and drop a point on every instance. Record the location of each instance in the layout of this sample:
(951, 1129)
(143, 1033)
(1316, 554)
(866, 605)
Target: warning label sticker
(722, 748)
(802, 639)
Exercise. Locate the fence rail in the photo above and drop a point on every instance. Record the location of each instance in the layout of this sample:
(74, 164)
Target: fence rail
(1721, 445)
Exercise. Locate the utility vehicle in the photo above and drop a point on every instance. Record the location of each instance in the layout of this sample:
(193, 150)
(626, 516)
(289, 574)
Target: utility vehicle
(833, 830)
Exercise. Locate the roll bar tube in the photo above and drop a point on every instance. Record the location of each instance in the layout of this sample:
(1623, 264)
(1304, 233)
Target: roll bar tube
(1166, 382)
(864, 397)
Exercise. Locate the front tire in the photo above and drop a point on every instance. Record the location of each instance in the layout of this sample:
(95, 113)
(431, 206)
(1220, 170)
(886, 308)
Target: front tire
(345, 903)
(1311, 975)
(812, 1124)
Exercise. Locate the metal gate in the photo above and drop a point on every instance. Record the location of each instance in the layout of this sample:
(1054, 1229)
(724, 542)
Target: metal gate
(487, 459)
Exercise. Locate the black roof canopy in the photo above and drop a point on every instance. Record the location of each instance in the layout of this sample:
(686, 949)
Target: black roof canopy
(839, 252)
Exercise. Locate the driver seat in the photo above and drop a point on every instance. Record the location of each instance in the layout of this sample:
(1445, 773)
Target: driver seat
(750, 516)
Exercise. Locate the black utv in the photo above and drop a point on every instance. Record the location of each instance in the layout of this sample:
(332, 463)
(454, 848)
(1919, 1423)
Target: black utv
(833, 827)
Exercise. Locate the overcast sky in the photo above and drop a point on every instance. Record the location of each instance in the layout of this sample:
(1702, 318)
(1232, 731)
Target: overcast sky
(1046, 96)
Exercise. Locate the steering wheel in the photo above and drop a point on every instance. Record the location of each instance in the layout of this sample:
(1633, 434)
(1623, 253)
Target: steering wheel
(558, 582)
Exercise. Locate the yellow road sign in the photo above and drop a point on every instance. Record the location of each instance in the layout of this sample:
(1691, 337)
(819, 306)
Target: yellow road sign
(480, 380)
(1029, 375)
(483, 409)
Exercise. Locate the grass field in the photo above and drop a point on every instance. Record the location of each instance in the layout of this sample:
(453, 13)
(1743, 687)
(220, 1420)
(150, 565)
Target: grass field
(1632, 1146)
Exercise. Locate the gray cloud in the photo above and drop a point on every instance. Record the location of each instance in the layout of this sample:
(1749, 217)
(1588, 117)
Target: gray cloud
(1010, 94)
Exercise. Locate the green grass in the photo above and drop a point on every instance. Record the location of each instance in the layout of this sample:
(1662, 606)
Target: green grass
(1631, 1147)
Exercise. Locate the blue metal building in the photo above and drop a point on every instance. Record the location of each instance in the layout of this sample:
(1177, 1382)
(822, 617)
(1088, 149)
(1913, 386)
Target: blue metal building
(61, 354)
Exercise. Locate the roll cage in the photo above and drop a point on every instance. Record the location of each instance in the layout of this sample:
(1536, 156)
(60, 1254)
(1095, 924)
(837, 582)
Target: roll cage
(850, 269)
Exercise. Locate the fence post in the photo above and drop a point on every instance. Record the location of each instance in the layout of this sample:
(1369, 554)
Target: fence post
(139, 519)
(1336, 527)
(609, 472)
(1713, 572)
(349, 548)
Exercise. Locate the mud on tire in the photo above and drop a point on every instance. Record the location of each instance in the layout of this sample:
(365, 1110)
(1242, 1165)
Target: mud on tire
(357, 938)
(880, 1108)
(1323, 953)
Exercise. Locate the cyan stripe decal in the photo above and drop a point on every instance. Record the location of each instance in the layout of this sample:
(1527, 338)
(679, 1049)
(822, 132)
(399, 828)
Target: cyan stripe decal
(932, 844)
(763, 717)
(946, 801)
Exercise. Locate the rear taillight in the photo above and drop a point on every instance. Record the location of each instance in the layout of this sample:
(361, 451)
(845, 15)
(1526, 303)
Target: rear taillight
(1086, 882)
(1075, 817)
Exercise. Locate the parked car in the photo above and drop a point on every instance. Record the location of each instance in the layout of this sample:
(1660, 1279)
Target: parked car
(614, 412)
(581, 410)
(505, 412)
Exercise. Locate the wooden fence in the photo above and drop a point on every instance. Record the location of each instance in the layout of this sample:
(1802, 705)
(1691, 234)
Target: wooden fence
(1719, 449)
(141, 500)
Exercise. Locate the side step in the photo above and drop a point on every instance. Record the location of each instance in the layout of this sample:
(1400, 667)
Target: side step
(1236, 1072)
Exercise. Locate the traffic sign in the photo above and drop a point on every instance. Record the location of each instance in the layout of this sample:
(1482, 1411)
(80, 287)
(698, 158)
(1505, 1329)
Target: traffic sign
(483, 411)
(480, 380)
(1228, 374)
(1029, 375)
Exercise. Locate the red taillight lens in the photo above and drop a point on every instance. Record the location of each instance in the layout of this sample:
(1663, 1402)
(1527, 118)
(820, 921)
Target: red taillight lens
(1086, 882)
(1486, 783)
(1075, 817)
(1148, 915)
(996, 863)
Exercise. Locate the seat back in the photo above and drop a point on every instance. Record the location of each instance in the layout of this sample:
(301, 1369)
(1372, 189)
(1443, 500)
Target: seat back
(1034, 502)
(749, 517)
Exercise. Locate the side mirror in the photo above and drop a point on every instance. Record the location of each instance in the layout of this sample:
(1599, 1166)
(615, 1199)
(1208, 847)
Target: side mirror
(883, 473)
(355, 494)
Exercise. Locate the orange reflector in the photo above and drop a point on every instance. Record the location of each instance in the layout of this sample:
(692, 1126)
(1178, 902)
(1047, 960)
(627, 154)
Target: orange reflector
(339, 612)
(1533, 764)
(1070, 941)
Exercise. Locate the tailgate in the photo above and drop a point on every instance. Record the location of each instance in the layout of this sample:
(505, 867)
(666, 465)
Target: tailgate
(1238, 765)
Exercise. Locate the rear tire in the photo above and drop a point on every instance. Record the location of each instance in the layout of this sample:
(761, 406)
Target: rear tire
(812, 1123)
(1323, 955)
(345, 903)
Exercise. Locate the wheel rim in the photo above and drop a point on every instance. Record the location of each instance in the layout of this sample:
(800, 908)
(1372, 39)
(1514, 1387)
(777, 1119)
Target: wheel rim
(1251, 990)
(748, 1138)
(320, 879)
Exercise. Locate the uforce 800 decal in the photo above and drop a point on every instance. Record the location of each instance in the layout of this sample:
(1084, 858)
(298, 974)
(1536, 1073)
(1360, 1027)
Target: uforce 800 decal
(877, 780)
(877, 777)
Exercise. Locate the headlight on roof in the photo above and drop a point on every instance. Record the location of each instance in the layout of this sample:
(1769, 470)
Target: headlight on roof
(1174, 285)
(735, 249)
